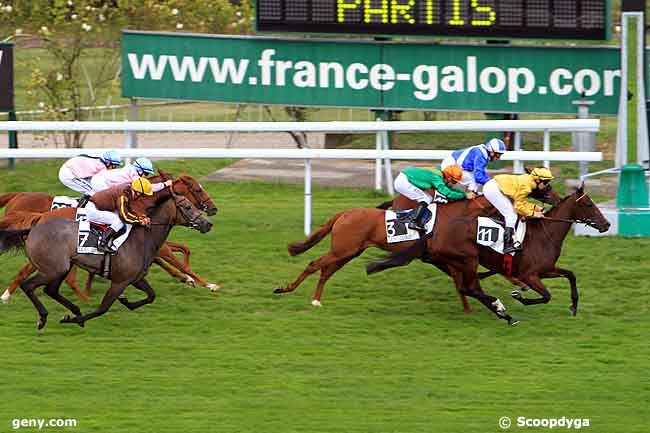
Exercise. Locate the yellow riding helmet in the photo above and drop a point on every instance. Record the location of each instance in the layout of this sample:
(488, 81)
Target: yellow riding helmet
(142, 184)
(542, 173)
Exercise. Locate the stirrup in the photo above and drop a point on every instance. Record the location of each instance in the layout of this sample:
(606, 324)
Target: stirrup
(415, 226)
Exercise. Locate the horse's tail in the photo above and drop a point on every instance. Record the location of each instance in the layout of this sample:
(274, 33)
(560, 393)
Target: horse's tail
(385, 205)
(6, 198)
(399, 258)
(12, 239)
(296, 248)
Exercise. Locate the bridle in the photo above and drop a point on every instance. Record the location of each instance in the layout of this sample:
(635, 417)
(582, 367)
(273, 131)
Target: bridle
(180, 202)
(587, 221)
(202, 204)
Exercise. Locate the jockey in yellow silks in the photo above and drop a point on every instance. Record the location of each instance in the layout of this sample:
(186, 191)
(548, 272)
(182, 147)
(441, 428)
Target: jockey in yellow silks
(509, 193)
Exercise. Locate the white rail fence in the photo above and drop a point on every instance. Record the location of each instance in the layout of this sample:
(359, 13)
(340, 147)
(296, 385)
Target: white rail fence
(382, 155)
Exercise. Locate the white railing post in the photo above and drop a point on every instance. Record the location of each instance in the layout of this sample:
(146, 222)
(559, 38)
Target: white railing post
(547, 146)
(388, 173)
(307, 196)
(378, 161)
(517, 166)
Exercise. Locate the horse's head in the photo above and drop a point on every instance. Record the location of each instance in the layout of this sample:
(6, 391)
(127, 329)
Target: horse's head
(188, 215)
(587, 212)
(192, 189)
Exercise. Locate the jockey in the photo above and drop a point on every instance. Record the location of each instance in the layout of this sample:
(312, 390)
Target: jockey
(473, 161)
(412, 181)
(117, 205)
(76, 172)
(140, 167)
(508, 193)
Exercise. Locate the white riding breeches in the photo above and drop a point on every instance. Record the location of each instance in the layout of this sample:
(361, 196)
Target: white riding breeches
(503, 204)
(406, 188)
(468, 177)
(75, 183)
(103, 217)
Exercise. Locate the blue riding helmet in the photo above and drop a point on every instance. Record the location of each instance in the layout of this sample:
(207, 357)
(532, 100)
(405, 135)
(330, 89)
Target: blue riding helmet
(144, 166)
(111, 158)
(495, 145)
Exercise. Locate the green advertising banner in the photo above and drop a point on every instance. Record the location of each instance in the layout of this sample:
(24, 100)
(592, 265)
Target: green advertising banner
(377, 75)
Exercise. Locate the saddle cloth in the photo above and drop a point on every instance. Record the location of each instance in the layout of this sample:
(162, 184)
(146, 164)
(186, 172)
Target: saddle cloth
(489, 233)
(61, 201)
(397, 229)
(89, 235)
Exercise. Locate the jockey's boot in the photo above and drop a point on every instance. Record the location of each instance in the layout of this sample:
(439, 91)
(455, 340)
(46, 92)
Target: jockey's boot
(106, 241)
(83, 200)
(509, 241)
(418, 215)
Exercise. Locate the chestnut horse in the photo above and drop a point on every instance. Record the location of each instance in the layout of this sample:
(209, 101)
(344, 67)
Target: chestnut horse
(355, 230)
(18, 203)
(128, 266)
(541, 249)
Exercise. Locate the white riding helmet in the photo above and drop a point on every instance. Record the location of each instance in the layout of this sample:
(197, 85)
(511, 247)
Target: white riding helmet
(495, 145)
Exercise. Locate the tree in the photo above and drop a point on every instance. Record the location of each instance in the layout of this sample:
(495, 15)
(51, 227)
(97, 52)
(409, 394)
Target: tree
(79, 64)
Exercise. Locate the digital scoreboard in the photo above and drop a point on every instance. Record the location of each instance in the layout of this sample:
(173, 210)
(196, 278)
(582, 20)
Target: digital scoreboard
(498, 19)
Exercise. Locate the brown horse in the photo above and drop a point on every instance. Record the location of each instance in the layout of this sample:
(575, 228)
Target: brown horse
(128, 266)
(355, 230)
(541, 249)
(16, 204)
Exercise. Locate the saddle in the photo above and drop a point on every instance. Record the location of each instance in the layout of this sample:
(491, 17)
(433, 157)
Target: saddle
(397, 229)
(90, 233)
(490, 232)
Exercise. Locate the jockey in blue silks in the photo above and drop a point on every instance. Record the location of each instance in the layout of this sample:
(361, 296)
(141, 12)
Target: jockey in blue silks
(473, 161)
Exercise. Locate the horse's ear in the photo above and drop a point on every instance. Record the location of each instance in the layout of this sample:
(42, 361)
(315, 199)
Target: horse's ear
(165, 175)
(581, 188)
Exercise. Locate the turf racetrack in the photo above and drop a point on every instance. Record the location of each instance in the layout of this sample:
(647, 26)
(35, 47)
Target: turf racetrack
(388, 353)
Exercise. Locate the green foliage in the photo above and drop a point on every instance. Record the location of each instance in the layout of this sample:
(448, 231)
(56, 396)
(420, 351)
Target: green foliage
(387, 353)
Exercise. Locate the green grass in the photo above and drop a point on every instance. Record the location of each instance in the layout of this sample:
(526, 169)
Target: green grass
(387, 353)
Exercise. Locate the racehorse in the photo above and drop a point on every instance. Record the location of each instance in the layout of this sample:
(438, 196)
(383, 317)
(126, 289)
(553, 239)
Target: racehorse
(355, 230)
(541, 249)
(128, 266)
(16, 204)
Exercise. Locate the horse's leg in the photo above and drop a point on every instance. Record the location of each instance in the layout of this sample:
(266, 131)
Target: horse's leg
(190, 276)
(177, 247)
(28, 288)
(109, 298)
(513, 280)
(171, 271)
(458, 282)
(89, 282)
(534, 282)
(144, 286)
(325, 274)
(472, 287)
(559, 272)
(23, 274)
(52, 290)
(71, 280)
(320, 263)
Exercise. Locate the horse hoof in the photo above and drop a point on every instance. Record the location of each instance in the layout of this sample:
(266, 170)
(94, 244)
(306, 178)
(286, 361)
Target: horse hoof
(279, 290)
(190, 281)
(5, 297)
(513, 321)
(515, 294)
(574, 311)
(41, 322)
(316, 303)
(213, 287)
